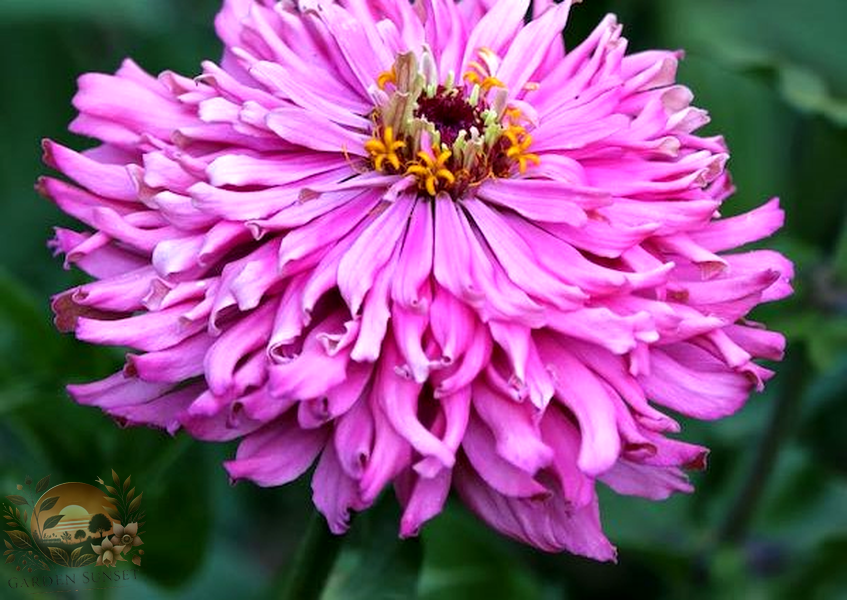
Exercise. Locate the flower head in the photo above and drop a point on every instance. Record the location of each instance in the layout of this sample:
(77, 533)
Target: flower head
(126, 536)
(108, 553)
(422, 245)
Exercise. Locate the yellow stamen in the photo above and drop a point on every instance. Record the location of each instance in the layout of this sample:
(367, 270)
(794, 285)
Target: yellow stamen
(386, 77)
(514, 115)
(479, 73)
(471, 77)
(385, 149)
(430, 171)
(486, 82)
(518, 151)
(530, 157)
(491, 82)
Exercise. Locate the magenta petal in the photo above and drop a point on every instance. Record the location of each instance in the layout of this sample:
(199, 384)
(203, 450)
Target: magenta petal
(428, 497)
(548, 524)
(276, 454)
(674, 382)
(582, 392)
(507, 479)
(655, 483)
(334, 492)
(518, 439)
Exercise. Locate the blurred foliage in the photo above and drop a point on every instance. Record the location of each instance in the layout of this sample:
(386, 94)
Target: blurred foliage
(767, 524)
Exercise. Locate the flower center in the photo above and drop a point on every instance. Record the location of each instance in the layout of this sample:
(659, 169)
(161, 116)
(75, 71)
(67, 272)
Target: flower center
(449, 136)
(126, 539)
(450, 113)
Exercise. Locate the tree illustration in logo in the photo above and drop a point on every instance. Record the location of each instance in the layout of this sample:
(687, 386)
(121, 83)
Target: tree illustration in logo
(99, 523)
(80, 534)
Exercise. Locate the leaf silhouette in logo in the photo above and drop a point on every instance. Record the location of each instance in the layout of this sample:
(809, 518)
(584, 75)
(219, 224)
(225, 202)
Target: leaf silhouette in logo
(130, 494)
(26, 516)
(116, 479)
(52, 521)
(75, 555)
(8, 545)
(19, 500)
(19, 539)
(126, 483)
(59, 556)
(42, 484)
(85, 559)
(49, 503)
(112, 490)
(112, 513)
(133, 506)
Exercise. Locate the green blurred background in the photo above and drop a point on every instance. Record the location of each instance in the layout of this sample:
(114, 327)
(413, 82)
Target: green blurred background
(769, 518)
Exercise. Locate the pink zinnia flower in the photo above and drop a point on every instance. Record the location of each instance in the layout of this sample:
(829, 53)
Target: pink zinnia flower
(421, 245)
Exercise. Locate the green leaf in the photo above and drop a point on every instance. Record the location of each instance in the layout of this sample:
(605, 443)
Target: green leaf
(48, 503)
(10, 558)
(135, 13)
(465, 559)
(19, 539)
(8, 545)
(112, 513)
(374, 563)
(59, 556)
(839, 260)
(130, 494)
(27, 480)
(133, 506)
(85, 559)
(52, 522)
(19, 500)
(112, 490)
(74, 555)
(801, 52)
(183, 471)
(42, 485)
(126, 483)
(823, 427)
(117, 481)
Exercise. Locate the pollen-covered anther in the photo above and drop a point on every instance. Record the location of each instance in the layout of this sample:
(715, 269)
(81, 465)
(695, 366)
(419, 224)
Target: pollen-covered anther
(387, 77)
(432, 171)
(384, 149)
(519, 150)
(485, 82)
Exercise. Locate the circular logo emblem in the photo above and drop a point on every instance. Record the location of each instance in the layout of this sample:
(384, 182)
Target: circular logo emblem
(71, 522)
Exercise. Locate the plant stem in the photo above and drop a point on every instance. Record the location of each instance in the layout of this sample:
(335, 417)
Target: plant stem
(737, 521)
(306, 576)
(35, 545)
(34, 513)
